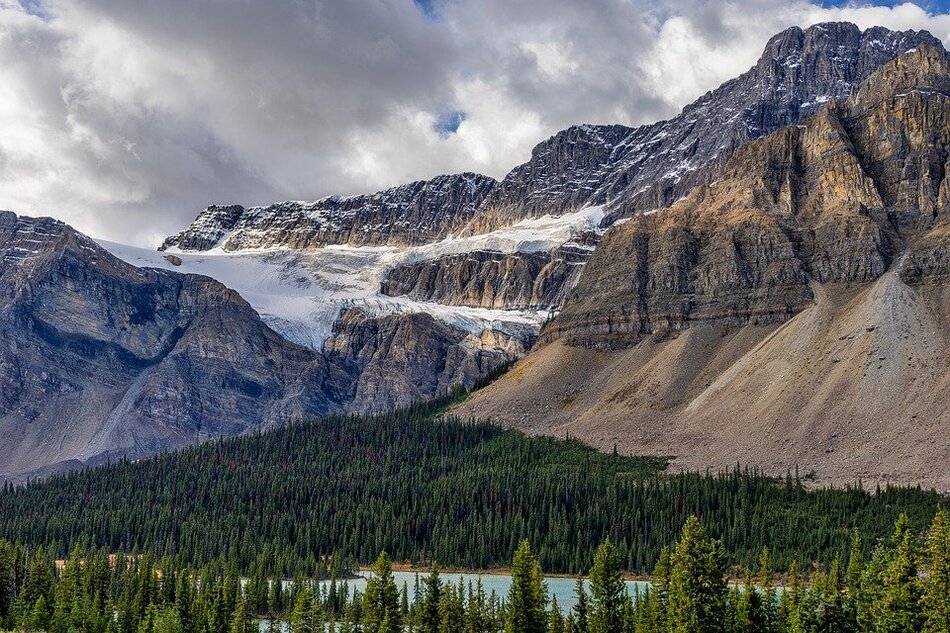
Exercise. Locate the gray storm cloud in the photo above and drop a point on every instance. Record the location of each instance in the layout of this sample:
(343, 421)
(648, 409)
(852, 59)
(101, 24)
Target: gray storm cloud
(126, 117)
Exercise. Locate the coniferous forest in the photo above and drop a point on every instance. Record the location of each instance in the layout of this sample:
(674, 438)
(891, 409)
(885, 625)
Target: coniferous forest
(429, 489)
(901, 585)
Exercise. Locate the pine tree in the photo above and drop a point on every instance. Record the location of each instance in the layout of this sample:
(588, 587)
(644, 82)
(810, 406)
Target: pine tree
(453, 610)
(871, 589)
(476, 615)
(147, 623)
(39, 617)
(852, 581)
(749, 616)
(661, 591)
(936, 589)
(167, 621)
(607, 590)
(581, 609)
(241, 620)
(698, 589)
(898, 610)
(381, 612)
(430, 613)
(39, 581)
(300, 617)
(629, 616)
(769, 595)
(527, 595)
(555, 618)
(275, 598)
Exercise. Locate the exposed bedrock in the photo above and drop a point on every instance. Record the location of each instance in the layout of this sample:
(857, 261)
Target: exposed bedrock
(489, 279)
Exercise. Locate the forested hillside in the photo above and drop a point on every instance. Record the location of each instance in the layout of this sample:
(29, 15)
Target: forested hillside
(430, 489)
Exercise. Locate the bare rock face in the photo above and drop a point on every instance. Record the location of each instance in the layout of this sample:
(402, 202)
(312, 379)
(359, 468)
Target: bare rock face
(412, 214)
(398, 359)
(793, 314)
(488, 279)
(560, 176)
(99, 358)
(837, 199)
(632, 170)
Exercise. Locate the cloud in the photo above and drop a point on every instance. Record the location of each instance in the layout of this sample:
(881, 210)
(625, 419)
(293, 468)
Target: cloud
(126, 117)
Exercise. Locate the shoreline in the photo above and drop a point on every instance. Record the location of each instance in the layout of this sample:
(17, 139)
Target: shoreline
(779, 580)
(422, 570)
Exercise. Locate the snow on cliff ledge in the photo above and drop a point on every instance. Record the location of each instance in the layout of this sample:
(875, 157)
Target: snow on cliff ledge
(300, 293)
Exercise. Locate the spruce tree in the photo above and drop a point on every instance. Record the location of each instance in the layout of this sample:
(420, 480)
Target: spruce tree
(936, 589)
(300, 616)
(167, 621)
(581, 609)
(661, 591)
(555, 618)
(607, 590)
(430, 613)
(898, 610)
(527, 595)
(769, 595)
(241, 619)
(697, 593)
(381, 613)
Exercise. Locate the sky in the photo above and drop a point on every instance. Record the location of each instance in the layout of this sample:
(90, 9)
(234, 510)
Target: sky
(126, 117)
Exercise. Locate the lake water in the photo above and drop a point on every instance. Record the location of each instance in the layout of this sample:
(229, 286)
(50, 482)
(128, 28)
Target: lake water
(561, 588)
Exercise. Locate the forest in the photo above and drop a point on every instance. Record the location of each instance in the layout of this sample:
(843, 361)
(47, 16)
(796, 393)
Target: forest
(427, 488)
(901, 585)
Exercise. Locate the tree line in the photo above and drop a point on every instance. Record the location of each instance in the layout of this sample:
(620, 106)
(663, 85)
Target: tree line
(901, 585)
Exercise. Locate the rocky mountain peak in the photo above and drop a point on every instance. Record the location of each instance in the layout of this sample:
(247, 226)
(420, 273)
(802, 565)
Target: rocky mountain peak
(802, 294)
(836, 199)
(410, 214)
(924, 68)
(632, 170)
(629, 170)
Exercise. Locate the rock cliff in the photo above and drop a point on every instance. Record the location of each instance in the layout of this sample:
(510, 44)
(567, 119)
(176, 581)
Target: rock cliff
(99, 358)
(791, 313)
(836, 199)
(488, 279)
(412, 214)
(633, 170)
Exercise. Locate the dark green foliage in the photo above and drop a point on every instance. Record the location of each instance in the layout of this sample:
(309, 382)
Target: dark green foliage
(607, 589)
(697, 587)
(936, 587)
(98, 593)
(427, 489)
(381, 611)
(528, 595)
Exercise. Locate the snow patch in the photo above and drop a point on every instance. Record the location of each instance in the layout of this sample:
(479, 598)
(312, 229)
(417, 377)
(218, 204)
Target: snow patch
(300, 294)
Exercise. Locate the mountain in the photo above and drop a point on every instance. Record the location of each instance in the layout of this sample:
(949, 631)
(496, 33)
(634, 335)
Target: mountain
(792, 312)
(408, 215)
(100, 358)
(252, 316)
(632, 170)
(517, 247)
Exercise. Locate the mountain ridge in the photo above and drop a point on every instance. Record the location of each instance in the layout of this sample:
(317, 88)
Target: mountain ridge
(790, 313)
(587, 164)
(401, 295)
(101, 359)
